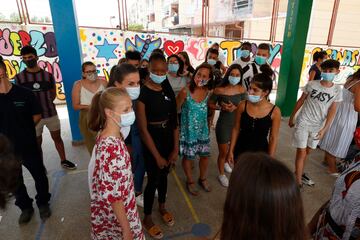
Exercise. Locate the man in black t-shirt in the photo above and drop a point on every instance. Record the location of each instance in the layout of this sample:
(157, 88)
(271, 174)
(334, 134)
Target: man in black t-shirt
(19, 113)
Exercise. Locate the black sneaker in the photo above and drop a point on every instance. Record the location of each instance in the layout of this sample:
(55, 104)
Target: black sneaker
(45, 212)
(26, 215)
(307, 180)
(68, 165)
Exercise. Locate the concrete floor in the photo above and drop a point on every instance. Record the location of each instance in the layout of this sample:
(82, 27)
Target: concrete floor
(194, 215)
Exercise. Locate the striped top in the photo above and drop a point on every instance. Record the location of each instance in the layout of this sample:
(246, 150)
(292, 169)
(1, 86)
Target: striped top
(41, 83)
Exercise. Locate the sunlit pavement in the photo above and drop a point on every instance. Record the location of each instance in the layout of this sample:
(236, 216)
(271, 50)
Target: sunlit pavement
(194, 215)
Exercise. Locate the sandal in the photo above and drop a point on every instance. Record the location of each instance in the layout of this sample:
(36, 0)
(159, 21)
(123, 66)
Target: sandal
(190, 186)
(155, 232)
(168, 219)
(204, 184)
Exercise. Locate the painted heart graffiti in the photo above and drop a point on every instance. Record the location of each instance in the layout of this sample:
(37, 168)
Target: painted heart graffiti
(171, 47)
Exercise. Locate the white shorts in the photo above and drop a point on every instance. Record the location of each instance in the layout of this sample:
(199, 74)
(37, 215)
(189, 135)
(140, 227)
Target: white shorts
(304, 137)
(52, 123)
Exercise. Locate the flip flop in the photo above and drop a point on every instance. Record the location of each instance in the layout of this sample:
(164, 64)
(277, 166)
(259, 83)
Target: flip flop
(206, 186)
(168, 219)
(190, 186)
(155, 232)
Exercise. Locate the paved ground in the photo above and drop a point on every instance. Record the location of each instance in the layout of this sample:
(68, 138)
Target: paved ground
(70, 202)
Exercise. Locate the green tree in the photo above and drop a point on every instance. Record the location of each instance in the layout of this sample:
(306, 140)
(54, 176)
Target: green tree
(14, 17)
(135, 27)
(2, 17)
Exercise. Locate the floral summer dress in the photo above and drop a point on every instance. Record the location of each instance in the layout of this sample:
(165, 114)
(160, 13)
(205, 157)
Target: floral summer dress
(112, 181)
(194, 132)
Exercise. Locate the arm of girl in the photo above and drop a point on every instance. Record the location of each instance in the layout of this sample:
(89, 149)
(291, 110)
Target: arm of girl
(145, 135)
(223, 69)
(76, 97)
(274, 132)
(212, 104)
(235, 133)
(119, 211)
(180, 99)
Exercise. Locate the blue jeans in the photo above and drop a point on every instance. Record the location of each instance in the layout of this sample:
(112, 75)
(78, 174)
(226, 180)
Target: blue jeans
(138, 164)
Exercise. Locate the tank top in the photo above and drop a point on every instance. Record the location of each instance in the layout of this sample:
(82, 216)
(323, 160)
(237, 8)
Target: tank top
(86, 95)
(254, 133)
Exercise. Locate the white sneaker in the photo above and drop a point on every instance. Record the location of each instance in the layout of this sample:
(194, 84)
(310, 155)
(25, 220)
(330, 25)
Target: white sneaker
(224, 181)
(140, 200)
(227, 168)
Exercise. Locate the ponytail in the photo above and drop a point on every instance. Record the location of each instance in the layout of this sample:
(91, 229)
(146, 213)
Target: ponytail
(96, 115)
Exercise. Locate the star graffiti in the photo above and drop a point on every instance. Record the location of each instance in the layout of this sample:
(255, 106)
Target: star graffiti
(106, 50)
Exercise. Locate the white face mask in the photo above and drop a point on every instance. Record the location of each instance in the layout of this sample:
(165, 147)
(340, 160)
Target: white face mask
(133, 92)
(125, 131)
(91, 76)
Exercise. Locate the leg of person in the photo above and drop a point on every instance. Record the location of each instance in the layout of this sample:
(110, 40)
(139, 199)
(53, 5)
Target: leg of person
(299, 164)
(331, 161)
(33, 162)
(149, 195)
(224, 181)
(88, 135)
(139, 173)
(162, 189)
(190, 184)
(23, 201)
(203, 166)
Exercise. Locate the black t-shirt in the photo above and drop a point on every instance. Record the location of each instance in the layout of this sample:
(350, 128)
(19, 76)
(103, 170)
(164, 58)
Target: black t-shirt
(317, 72)
(159, 105)
(16, 118)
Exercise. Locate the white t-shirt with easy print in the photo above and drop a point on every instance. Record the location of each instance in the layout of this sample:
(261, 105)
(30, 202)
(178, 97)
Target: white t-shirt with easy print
(316, 106)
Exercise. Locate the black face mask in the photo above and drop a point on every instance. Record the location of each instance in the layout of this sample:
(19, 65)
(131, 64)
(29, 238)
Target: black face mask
(31, 63)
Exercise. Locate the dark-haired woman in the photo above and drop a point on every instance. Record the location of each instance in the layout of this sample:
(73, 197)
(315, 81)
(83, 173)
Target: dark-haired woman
(158, 125)
(263, 201)
(194, 131)
(188, 68)
(125, 76)
(82, 93)
(175, 73)
(255, 118)
(227, 97)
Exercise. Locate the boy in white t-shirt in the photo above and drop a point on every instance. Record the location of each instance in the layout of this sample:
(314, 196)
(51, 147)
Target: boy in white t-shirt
(318, 103)
(245, 56)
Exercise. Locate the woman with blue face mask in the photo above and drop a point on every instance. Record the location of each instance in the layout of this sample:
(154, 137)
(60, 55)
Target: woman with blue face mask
(226, 98)
(157, 120)
(175, 73)
(125, 76)
(257, 121)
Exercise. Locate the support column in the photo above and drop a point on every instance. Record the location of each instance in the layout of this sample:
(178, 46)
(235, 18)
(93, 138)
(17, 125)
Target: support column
(66, 30)
(296, 29)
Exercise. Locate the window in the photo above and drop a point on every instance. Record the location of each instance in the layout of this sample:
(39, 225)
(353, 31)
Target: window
(95, 13)
(10, 12)
(320, 21)
(38, 11)
(280, 26)
(346, 31)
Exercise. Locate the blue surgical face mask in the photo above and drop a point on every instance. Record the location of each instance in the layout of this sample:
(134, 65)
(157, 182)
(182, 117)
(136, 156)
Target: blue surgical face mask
(234, 80)
(328, 76)
(203, 82)
(211, 62)
(260, 60)
(254, 98)
(133, 92)
(157, 78)
(173, 67)
(245, 53)
(127, 119)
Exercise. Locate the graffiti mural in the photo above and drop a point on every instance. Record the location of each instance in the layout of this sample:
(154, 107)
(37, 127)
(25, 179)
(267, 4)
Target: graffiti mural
(106, 47)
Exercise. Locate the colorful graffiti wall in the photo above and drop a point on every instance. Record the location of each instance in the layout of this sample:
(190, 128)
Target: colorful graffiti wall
(106, 47)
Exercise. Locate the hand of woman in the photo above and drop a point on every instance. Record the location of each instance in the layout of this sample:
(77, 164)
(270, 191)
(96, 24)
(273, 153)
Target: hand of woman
(231, 107)
(162, 163)
(173, 156)
(230, 158)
